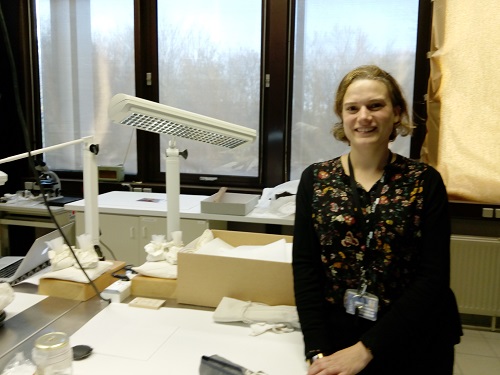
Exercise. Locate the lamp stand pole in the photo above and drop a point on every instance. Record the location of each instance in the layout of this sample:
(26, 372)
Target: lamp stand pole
(173, 186)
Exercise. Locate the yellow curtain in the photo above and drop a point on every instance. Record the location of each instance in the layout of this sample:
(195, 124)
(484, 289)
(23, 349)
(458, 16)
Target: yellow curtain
(463, 103)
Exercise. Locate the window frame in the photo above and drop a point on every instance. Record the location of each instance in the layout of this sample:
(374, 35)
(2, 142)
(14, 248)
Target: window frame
(276, 100)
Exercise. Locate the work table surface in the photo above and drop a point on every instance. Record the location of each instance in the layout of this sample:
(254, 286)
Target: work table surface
(155, 204)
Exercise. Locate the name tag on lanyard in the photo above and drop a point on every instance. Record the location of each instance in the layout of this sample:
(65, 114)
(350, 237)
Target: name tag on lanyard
(357, 301)
(364, 305)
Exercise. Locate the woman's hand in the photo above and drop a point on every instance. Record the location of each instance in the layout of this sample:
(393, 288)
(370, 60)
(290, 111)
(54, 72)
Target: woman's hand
(349, 361)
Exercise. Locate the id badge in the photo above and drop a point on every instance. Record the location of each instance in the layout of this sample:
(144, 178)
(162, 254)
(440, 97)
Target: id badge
(364, 305)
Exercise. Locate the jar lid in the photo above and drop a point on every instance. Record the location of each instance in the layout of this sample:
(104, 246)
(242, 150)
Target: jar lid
(53, 340)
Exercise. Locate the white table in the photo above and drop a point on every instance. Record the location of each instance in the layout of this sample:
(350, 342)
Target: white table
(130, 340)
(154, 204)
(127, 220)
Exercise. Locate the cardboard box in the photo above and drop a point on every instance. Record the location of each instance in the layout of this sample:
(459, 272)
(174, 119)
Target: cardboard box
(229, 204)
(79, 291)
(204, 280)
(153, 287)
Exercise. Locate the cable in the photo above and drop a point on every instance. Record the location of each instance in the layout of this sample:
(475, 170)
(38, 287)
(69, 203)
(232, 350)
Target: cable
(26, 137)
(107, 248)
(128, 147)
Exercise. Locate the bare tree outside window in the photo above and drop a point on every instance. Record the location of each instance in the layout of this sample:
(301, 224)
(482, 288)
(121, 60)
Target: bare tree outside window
(333, 37)
(210, 63)
(86, 51)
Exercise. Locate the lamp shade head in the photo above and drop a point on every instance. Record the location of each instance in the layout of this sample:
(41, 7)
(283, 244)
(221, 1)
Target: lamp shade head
(162, 119)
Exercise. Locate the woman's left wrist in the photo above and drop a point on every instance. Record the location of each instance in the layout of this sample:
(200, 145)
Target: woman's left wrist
(367, 350)
(313, 355)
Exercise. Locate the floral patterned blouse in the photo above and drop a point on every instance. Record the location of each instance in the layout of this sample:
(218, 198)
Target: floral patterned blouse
(407, 262)
(389, 259)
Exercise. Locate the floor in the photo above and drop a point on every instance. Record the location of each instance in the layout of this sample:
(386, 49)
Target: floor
(478, 353)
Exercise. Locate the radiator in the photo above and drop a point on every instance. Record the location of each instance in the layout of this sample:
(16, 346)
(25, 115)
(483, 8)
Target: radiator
(475, 274)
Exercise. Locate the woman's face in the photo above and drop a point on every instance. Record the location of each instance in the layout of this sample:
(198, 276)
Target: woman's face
(368, 114)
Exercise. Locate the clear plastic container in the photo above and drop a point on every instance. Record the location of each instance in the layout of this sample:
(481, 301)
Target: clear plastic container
(53, 354)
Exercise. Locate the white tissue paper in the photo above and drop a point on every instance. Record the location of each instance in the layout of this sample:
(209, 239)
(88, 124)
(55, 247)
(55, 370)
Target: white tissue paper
(199, 242)
(278, 201)
(6, 295)
(60, 255)
(156, 248)
(278, 251)
(161, 269)
(19, 365)
(161, 260)
(86, 254)
(173, 247)
(77, 275)
(261, 317)
(215, 247)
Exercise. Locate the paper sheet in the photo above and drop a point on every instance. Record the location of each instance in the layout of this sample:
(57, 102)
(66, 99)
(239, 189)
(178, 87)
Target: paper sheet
(22, 301)
(278, 251)
(128, 340)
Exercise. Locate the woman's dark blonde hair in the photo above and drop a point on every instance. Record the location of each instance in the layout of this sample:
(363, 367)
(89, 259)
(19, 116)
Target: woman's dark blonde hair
(403, 127)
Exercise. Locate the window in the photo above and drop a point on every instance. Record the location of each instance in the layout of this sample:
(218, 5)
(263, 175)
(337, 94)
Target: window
(86, 52)
(269, 65)
(333, 37)
(210, 63)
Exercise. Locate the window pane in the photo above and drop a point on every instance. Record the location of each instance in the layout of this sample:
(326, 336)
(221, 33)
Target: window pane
(333, 37)
(209, 63)
(86, 51)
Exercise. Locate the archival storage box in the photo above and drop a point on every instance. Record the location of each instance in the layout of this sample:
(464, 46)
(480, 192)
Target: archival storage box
(153, 287)
(204, 280)
(229, 204)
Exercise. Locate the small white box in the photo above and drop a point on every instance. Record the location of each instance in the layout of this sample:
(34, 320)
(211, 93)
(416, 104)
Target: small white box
(117, 291)
(229, 204)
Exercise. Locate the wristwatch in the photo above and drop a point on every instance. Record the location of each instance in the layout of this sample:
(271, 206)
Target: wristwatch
(313, 355)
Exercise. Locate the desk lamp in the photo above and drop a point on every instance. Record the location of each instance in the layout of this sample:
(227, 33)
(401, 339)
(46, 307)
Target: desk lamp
(90, 181)
(162, 119)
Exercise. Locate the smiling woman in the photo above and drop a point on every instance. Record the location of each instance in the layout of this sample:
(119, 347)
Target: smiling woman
(385, 91)
(368, 115)
(371, 247)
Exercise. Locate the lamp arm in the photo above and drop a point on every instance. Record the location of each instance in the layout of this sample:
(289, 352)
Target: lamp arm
(43, 150)
(90, 180)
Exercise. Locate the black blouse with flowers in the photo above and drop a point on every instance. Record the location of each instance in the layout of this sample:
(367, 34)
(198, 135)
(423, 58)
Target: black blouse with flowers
(406, 262)
(390, 259)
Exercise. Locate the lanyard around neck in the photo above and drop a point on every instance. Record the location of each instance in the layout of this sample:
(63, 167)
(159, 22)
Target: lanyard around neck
(365, 221)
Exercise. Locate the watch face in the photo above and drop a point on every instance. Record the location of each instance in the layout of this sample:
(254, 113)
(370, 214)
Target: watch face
(81, 352)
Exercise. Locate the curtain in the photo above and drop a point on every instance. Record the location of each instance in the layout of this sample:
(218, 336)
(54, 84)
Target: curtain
(463, 127)
(86, 55)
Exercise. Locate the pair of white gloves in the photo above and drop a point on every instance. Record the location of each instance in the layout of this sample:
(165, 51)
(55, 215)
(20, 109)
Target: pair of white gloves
(260, 317)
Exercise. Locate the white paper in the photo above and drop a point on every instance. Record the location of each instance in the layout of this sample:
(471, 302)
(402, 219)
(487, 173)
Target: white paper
(129, 340)
(22, 301)
(278, 251)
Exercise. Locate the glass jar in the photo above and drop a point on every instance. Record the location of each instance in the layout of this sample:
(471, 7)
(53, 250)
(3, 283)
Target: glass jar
(53, 354)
